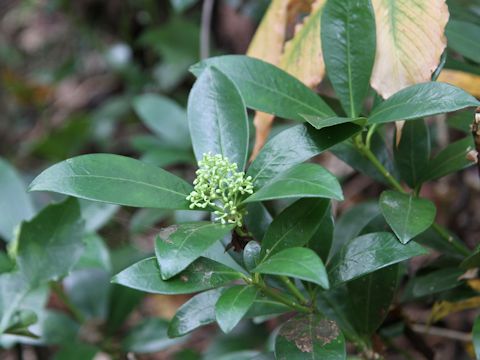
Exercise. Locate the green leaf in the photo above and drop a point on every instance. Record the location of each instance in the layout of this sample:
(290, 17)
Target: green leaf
(177, 246)
(302, 180)
(451, 159)
(266, 88)
(321, 122)
(115, 179)
(294, 226)
(196, 312)
(15, 205)
(13, 289)
(257, 220)
(149, 336)
(293, 146)
(96, 215)
(233, 304)
(203, 274)
(407, 215)
(463, 38)
(471, 261)
(321, 242)
(413, 152)
(434, 282)
(217, 118)
(123, 301)
(310, 336)
(348, 153)
(51, 243)
(165, 118)
(251, 255)
(422, 100)
(370, 297)
(95, 255)
(476, 337)
(76, 351)
(352, 222)
(297, 262)
(348, 44)
(367, 253)
(89, 291)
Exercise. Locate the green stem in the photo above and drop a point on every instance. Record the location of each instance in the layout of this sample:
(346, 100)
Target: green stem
(397, 186)
(58, 290)
(450, 239)
(377, 164)
(276, 295)
(370, 133)
(294, 290)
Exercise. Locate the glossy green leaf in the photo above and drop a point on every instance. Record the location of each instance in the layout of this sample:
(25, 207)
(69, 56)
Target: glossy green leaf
(15, 205)
(294, 226)
(297, 262)
(257, 220)
(407, 215)
(267, 88)
(310, 336)
(302, 180)
(51, 243)
(217, 118)
(370, 297)
(233, 304)
(352, 222)
(451, 159)
(293, 146)
(115, 179)
(177, 246)
(476, 337)
(435, 282)
(321, 122)
(463, 38)
(203, 274)
(348, 44)
(251, 254)
(367, 253)
(196, 312)
(422, 100)
(165, 118)
(321, 242)
(149, 336)
(412, 154)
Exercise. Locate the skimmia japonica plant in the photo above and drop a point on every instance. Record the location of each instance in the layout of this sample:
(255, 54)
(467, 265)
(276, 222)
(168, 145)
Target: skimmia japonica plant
(328, 281)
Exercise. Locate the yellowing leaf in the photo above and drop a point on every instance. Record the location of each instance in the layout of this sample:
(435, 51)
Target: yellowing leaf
(263, 124)
(267, 44)
(302, 57)
(410, 41)
(467, 81)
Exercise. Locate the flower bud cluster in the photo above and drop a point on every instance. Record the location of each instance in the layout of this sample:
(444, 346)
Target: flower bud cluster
(220, 186)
